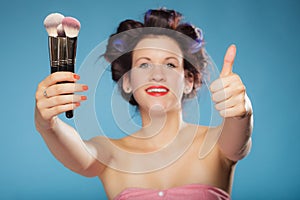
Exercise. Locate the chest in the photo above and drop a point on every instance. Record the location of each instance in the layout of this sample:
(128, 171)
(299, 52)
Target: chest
(165, 170)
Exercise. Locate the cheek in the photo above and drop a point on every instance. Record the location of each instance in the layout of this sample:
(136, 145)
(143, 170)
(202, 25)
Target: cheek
(137, 79)
(176, 83)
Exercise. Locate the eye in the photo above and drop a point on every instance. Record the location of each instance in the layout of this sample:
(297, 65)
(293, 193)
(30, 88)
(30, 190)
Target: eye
(171, 65)
(144, 65)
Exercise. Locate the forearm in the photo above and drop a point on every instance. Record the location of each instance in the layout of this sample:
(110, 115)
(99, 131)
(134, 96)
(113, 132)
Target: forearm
(66, 145)
(235, 139)
(63, 141)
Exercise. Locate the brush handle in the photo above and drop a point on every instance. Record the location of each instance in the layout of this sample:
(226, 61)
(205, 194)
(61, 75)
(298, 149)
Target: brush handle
(63, 65)
(71, 45)
(70, 68)
(62, 53)
(53, 51)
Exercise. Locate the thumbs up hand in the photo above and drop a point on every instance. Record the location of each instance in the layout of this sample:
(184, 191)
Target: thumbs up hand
(228, 91)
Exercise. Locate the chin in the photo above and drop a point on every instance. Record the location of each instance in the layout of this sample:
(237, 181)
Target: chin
(163, 107)
(158, 104)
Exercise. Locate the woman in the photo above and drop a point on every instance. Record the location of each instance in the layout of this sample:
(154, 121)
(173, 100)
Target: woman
(156, 70)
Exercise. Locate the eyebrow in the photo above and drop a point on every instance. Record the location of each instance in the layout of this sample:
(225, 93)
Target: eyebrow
(171, 57)
(140, 58)
(149, 59)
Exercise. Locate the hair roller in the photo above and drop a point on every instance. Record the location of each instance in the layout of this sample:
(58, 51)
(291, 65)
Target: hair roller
(198, 41)
(119, 45)
(195, 34)
(162, 18)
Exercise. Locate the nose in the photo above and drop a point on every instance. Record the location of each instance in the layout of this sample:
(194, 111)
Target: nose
(157, 73)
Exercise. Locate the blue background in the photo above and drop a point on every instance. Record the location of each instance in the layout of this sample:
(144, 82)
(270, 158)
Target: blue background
(267, 37)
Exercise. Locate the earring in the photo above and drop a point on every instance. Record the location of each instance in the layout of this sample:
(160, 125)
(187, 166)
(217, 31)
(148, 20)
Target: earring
(128, 90)
(186, 89)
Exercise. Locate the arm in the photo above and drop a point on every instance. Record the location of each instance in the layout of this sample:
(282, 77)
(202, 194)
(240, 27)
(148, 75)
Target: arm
(235, 139)
(229, 94)
(63, 140)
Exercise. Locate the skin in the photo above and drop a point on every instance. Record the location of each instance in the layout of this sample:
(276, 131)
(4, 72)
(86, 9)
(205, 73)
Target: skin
(161, 120)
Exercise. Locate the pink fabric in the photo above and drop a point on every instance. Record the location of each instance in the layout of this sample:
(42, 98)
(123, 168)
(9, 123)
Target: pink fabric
(186, 192)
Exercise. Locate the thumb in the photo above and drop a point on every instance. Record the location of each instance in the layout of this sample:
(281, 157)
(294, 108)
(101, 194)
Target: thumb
(228, 61)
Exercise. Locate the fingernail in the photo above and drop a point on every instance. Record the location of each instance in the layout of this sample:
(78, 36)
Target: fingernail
(83, 98)
(77, 104)
(85, 87)
(76, 76)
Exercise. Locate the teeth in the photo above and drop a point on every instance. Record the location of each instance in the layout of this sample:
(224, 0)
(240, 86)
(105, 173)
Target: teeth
(156, 90)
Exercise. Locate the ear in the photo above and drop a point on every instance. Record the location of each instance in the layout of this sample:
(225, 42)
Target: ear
(189, 82)
(126, 83)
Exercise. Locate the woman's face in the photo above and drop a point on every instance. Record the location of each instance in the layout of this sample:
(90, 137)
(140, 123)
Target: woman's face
(157, 74)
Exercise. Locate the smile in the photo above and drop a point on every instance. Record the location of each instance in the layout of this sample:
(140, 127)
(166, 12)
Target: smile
(157, 90)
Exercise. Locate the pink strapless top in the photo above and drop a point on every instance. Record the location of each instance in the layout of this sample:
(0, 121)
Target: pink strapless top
(186, 192)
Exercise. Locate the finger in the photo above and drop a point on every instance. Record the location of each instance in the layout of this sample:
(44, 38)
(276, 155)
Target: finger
(236, 111)
(228, 61)
(230, 102)
(60, 77)
(65, 88)
(235, 90)
(54, 111)
(221, 95)
(61, 100)
(222, 83)
(53, 79)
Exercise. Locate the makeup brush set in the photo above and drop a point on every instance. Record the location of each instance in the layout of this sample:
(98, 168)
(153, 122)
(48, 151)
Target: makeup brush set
(62, 43)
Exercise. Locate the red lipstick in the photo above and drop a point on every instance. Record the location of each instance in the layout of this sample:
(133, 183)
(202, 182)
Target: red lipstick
(157, 91)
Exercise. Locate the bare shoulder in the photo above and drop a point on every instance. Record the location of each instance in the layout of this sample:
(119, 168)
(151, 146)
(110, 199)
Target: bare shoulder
(100, 144)
(198, 131)
(206, 139)
(211, 133)
(210, 144)
(102, 149)
(107, 149)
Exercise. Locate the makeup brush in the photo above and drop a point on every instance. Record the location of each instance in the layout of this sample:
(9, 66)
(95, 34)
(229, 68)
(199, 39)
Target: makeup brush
(60, 31)
(50, 23)
(71, 27)
(62, 48)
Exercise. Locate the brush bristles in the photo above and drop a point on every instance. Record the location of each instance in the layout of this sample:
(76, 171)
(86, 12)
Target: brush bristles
(51, 22)
(71, 26)
(60, 31)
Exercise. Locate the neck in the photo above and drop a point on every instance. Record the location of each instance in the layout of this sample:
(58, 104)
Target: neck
(159, 128)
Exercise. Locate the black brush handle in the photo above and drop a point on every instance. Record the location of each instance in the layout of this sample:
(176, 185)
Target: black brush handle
(69, 68)
(62, 57)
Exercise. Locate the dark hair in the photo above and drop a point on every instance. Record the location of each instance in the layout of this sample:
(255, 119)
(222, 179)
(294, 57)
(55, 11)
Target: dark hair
(130, 32)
